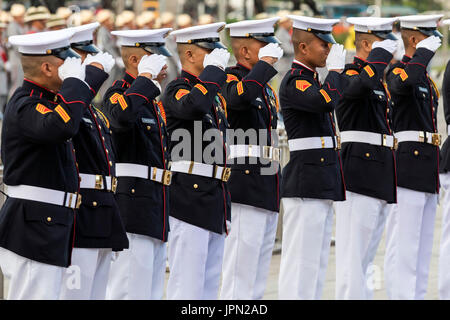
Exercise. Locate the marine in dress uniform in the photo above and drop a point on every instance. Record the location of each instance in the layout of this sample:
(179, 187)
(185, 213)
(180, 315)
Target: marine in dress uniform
(313, 177)
(142, 162)
(40, 174)
(251, 107)
(410, 224)
(98, 228)
(444, 177)
(200, 200)
(363, 115)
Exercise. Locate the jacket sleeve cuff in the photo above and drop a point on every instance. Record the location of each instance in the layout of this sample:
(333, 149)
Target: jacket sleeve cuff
(261, 72)
(95, 77)
(379, 58)
(144, 87)
(422, 57)
(213, 75)
(74, 89)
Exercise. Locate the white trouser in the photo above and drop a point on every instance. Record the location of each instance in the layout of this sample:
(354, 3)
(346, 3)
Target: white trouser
(138, 272)
(248, 251)
(195, 262)
(360, 223)
(307, 228)
(87, 277)
(29, 279)
(444, 252)
(409, 242)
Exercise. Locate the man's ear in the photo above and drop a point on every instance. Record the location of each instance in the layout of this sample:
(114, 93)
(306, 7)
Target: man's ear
(303, 48)
(133, 60)
(189, 54)
(367, 45)
(413, 41)
(47, 69)
(244, 52)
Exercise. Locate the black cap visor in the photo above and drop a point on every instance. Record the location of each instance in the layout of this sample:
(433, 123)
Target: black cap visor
(208, 43)
(156, 48)
(62, 53)
(87, 46)
(427, 31)
(265, 37)
(327, 37)
(385, 34)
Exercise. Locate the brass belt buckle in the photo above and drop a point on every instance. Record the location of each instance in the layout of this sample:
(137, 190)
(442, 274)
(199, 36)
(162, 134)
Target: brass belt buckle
(226, 174)
(98, 182)
(113, 184)
(266, 152)
(276, 154)
(167, 177)
(338, 143)
(436, 139)
(78, 201)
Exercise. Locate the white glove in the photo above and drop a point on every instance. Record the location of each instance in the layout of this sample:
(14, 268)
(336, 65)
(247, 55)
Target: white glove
(8, 66)
(103, 58)
(431, 43)
(336, 57)
(119, 63)
(218, 57)
(271, 50)
(228, 226)
(388, 45)
(72, 68)
(152, 64)
(114, 255)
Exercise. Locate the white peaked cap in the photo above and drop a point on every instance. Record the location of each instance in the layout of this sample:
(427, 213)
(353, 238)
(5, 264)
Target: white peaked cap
(424, 21)
(42, 42)
(244, 28)
(206, 31)
(378, 26)
(133, 37)
(84, 32)
(319, 27)
(305, 23)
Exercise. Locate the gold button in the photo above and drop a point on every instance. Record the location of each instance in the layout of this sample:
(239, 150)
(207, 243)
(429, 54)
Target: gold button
(161, 124)
(259, 107)
(165, 148)
(107, 151)
(110, 131)
(220, 120)
(110, 163)
(49, 219)
(133, 191)
(416, 153)
(103, 138)
(322, 159)
(148, 127)
(247, 171)
(434, 109)
(380, 97)
(94, 203)
(367, 154)
(195, 186)
(99, 127)
(387, 110)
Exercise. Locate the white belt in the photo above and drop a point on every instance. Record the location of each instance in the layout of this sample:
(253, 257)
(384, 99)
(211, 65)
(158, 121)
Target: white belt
(448, 129)
(244, 150)
(314, 143)
(201, 169)
(56, 197)
(98, 181)
(377, 139)
(144, 172)
(419, 136)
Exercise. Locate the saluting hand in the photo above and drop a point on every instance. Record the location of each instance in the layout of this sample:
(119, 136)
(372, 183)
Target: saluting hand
(431, 43)
(270, 53)
(72, 68)
(151, 66)
(218, 57)
(104, 59)
(388, 45)
(336, 58)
